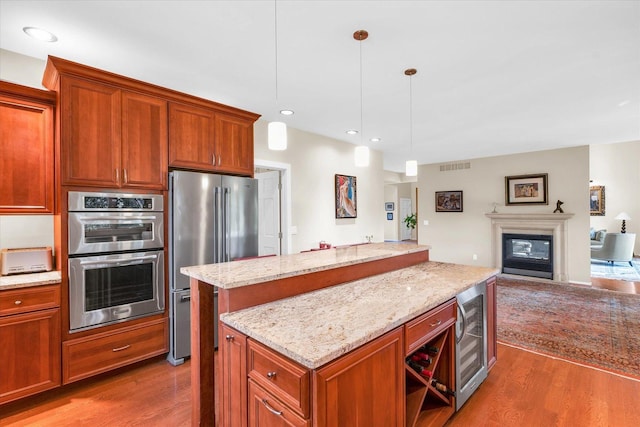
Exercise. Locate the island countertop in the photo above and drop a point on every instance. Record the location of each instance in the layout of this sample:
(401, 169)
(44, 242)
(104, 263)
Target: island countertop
(230, 275)
(318, 327)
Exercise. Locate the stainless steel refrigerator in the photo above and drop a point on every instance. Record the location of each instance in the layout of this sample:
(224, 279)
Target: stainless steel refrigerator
(212, 219)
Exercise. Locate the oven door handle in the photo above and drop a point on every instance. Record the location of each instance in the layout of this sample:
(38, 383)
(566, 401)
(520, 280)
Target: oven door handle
(122, 261)
(119, 218)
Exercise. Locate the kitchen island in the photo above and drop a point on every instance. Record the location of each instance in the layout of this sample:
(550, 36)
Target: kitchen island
(342, 301)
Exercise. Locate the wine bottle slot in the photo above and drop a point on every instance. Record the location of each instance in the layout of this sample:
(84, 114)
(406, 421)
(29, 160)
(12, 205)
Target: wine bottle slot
(442, 388)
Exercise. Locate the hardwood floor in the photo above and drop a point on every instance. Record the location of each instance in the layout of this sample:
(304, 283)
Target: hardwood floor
(523, 389)
(616, 285)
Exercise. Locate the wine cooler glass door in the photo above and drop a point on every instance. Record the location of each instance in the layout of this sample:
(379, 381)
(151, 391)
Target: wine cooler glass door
(471, 342)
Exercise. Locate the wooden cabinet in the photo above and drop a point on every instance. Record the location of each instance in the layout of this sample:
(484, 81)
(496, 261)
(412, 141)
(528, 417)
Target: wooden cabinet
(208, 139)
(492, 323)
(364, 387)
(266, 411)
(30, 337)
(233, 352)
(111, 138)
(26, 150)
(94, 354)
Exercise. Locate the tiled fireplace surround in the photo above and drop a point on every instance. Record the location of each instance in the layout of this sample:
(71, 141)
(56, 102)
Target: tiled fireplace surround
(555, 224)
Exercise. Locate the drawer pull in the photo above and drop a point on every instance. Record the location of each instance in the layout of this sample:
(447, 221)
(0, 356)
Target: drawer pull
(433, 325)
(273, 411)
(124, 347)
(229, 337)
(18, 302)
(271, 375)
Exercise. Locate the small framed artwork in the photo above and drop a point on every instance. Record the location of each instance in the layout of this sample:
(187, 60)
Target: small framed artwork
(388, 206)
(346, 196)
(448, 201)
(596, 200)
(389, 216)
(526, 189)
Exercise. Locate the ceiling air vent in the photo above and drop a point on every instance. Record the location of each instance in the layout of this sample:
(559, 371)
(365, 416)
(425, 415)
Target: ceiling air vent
(455, 166)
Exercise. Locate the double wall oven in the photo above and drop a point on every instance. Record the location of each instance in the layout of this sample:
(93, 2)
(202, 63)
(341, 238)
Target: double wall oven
(116, 258)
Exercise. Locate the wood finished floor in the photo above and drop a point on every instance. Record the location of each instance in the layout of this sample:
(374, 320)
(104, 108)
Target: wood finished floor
(523, 389)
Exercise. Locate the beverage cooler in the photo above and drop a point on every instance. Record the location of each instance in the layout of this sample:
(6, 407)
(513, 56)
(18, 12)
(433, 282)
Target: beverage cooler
(471, 342)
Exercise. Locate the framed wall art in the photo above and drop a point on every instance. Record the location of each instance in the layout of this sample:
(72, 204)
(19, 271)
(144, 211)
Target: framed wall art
(389, 216)
(346, 196)
(448, 201)
(526, 189)
(596, 200)
(388, 206)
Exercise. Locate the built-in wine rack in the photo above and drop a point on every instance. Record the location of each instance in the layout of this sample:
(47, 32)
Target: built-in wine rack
(430, 381)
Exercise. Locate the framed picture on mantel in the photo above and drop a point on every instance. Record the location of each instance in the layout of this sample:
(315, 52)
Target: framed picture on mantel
(526, 189)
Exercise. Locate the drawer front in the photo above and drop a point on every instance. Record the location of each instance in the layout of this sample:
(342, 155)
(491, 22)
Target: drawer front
(29, 299)
(265, 410)
(430, 324)
(283, 378)
(92, 355)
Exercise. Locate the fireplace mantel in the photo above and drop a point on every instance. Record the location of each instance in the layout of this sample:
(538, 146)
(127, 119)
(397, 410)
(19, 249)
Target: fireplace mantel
(555, 224)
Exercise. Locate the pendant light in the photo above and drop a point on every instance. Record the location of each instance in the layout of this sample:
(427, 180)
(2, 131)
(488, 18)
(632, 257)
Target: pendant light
(411, 166)
(276, 131)
(361, 153)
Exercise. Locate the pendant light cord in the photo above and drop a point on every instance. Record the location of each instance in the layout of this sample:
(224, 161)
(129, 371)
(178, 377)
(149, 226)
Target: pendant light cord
(275, 13)
(411, 114)
(361, 121)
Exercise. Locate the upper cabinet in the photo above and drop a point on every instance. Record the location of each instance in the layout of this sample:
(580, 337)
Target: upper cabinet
(26, 149)
(111, 137)
(117, 132)
(210, 139)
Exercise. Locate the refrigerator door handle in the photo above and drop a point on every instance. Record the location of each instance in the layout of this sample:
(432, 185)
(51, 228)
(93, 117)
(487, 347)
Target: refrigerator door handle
(225, 216)
(218, 222)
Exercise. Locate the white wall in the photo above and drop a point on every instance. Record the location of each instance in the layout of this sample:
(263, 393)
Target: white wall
(314, 161)
(391, 226)
(455, 237)
(21, 69)
(617, 168)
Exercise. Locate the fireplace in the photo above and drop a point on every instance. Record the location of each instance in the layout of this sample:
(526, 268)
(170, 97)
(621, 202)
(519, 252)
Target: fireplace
(528, 254)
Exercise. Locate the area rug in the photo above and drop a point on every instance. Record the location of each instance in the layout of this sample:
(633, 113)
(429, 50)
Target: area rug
(618, 270)
(598, 328)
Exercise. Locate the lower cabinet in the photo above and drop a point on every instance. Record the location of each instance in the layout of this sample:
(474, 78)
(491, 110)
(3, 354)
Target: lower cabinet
(267, 411)
(88, 356)
(232, 348)
(29, 341)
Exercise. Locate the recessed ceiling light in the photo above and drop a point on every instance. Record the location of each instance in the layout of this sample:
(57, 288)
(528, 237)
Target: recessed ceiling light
(40, 34)
(286, 112)
(375, 139)
(352, 132)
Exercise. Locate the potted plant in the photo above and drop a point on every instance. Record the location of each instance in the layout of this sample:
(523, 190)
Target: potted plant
(410, 221)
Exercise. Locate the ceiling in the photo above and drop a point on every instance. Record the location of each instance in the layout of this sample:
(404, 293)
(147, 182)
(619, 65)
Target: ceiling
(494, 77)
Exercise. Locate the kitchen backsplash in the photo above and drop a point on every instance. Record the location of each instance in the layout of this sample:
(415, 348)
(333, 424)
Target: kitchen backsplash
(26, 231)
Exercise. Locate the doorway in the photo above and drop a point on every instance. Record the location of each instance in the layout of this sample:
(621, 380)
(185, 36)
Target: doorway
(405, 210)
(274, 207)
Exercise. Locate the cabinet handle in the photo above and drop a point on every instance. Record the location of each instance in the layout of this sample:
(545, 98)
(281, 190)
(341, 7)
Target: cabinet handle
(229, 337)
(219, 159)
(124, 347)
(213, 159)
(273, 411)
(271, 375)
(124, 173)
(18, 302)
(433, 325)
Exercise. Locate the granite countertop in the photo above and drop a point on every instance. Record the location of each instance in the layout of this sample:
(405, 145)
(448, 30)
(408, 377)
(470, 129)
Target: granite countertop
(229, 275)
(318, 327)
(31, 279)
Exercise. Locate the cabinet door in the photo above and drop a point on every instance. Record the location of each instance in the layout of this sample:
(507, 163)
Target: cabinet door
(234, 144)
(492, 321)
(191, 137)
(233, 349)
(26, 156)
(267, 411)
(144, 141)
(348, 391)
(29, 354)
(90, 133)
